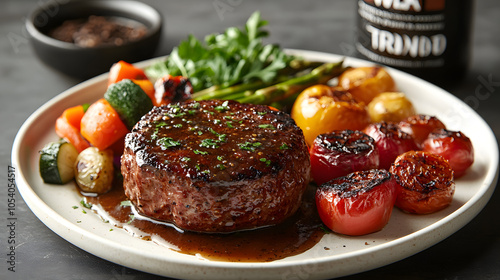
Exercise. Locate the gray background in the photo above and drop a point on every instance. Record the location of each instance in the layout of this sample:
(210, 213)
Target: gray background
(471, 253)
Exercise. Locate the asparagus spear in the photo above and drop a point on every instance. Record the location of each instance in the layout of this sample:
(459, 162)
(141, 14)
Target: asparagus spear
(216, 92)
(280, 91)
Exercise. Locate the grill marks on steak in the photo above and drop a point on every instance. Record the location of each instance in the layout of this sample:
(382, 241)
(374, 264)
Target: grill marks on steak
(216, 166)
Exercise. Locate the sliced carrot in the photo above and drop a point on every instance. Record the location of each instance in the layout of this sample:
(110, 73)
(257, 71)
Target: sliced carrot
(123, 70)
(101, 125)
(74, 115)
(148, 87)
(68, 127)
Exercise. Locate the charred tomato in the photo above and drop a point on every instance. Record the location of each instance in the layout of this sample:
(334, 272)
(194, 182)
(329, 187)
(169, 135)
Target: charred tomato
(425, 182)
(454, 146)
(170, 89)
(341, 152)
(419, 126)
(390, 141)
(357, 204)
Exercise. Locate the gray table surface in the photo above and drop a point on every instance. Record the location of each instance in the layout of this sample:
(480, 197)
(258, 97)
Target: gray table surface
(471, 253)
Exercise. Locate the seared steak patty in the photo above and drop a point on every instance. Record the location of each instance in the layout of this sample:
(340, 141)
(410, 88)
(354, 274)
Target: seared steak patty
(216, 166)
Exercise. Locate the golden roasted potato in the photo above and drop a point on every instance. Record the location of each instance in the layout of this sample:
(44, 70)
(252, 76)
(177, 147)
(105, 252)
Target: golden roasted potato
(321, 109)
(364, 83)
(390, 107)
(94, 170)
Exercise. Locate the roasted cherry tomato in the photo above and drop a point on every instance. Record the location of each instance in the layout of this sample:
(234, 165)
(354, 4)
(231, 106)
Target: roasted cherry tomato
(390, 107)
(364, 83)
(425, 182)
(357, 204)
(390, 142)
(419, 126)
(341, 152)
(454, 146)
(170, 89)
(321, 109)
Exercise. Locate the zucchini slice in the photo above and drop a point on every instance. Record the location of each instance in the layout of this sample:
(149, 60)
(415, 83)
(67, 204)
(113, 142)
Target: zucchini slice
(129, 101)
(56, 162)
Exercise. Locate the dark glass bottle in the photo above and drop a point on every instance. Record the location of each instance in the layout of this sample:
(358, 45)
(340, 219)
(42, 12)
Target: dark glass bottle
(427, 38)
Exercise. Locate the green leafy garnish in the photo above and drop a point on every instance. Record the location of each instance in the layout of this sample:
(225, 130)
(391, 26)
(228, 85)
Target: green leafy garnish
(284, 146)
(249, 146)
(267, 126)
(168, 142)
(266, 161)
(222, 60)
(85, 204)
(198, 152)
(126, 203)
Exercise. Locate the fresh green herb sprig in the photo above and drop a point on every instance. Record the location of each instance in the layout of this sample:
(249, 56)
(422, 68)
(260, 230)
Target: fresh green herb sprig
(222, 60)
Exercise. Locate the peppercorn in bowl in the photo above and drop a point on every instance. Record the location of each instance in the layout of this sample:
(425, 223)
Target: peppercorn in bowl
(84, 38)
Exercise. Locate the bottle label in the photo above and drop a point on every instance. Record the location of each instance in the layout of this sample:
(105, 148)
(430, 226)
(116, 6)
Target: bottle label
(403, 33)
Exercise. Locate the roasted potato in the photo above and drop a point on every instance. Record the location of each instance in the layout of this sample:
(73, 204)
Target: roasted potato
(94, 170)
(364, 83)
(390, 107)
(320, 109)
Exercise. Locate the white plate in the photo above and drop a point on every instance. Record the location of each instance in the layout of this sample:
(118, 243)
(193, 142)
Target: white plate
(403, 236)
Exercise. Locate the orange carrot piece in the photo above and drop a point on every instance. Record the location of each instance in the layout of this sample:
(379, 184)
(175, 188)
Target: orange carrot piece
(68, 127)
(101, 125)
(123, 70)
(74, 115)
(148, 87)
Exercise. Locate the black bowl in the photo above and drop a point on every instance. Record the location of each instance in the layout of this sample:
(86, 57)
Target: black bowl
(86, 62)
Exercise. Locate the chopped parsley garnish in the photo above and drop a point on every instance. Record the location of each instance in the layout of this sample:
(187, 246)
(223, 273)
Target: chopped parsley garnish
(198, 152)
(284, 146)
(168, 142)
(223, 107)
(85, 204)
(267, 126)
(176, 112)
(126, 203)
(266, 161)
(209, 143)
(157, 128)
(132, 217)
(222, 137)
(221, 166)
(249, 146)
(195, 105)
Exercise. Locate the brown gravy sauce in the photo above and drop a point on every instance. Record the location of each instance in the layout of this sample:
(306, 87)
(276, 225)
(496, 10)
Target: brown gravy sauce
(294, 236)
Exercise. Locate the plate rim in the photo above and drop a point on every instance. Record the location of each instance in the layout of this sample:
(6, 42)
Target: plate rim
(45, 213)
